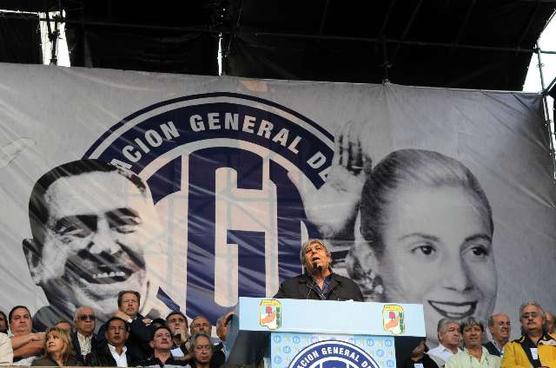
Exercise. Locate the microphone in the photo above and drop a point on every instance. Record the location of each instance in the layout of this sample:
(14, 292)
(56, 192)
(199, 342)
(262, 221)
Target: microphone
(310, 287)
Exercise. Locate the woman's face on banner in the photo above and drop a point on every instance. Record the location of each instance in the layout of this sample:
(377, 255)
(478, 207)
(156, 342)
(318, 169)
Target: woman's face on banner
(438, 252)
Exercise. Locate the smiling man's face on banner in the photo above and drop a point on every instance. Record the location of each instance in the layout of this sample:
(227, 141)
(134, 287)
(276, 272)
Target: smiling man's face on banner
(98, 227)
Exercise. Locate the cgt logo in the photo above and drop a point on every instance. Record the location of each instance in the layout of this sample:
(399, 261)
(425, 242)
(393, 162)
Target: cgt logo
(333, 354)
(225, 171)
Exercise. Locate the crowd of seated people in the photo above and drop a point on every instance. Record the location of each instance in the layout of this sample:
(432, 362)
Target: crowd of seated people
(129, 340)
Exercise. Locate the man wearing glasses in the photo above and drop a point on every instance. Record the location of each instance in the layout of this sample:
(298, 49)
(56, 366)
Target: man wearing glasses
(200, 325)
(536, 347)
(83, 339)
(91, 223)
(202, 350)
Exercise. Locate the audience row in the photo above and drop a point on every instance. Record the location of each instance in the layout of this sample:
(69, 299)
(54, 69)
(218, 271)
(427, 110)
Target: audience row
(461, 343)
(128, 339)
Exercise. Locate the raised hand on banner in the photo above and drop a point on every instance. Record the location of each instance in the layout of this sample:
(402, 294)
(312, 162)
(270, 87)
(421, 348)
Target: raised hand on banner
(333, 208)
(351, 164)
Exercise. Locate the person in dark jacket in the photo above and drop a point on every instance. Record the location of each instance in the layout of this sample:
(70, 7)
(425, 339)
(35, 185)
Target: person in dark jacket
(58, 350)
(201, 325)
(202, 350)
(84, 339)
(114, 353)
(500, 329)
(419, 357)
(177, 323)
(318, 281)
(140, 331)
(162, 343)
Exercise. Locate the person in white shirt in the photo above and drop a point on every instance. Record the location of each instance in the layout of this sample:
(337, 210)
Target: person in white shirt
(449, 337)
(26, 344)
(6, 351)
(474, 354)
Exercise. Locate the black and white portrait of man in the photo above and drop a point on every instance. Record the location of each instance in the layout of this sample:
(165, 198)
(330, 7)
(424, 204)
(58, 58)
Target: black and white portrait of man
(91, 223)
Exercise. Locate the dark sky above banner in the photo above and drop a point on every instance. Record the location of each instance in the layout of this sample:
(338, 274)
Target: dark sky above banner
(442, 197)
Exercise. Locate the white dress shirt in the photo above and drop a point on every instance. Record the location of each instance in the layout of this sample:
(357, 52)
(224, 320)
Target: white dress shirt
(84, 343)
(441, 352)
(121, 360)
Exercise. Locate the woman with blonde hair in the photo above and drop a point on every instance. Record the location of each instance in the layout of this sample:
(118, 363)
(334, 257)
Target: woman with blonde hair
(58, 350)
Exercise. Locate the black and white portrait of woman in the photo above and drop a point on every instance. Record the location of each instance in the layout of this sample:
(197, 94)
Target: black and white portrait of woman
(427, 226)
(425, 231)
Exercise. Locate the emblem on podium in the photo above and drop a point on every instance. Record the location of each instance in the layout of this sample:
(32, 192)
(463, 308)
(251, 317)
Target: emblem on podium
(393, 319)
(270, 314)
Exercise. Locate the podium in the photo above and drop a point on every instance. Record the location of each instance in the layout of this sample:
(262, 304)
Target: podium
(296, 333)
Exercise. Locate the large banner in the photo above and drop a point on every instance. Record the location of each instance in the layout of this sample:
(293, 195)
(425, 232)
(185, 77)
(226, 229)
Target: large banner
(433, 196)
